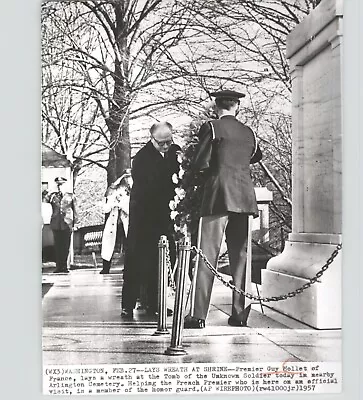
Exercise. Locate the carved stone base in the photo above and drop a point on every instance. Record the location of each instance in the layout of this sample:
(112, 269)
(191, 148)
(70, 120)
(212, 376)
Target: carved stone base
(320, 305)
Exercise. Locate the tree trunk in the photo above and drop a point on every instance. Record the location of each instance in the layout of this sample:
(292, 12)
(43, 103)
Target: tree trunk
(120, 153)
(118, 120)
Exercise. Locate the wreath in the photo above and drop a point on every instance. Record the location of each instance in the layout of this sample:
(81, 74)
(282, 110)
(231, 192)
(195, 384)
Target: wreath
(186, 205)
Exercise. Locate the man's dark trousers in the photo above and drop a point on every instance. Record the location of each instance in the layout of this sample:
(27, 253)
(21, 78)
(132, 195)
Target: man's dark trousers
(141, 269)
(62, 240)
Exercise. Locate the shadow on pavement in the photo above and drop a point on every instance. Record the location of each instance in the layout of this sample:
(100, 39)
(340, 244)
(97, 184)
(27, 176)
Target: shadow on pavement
(46, 286)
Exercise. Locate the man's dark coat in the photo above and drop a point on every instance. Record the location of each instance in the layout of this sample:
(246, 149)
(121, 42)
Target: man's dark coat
(150, 195)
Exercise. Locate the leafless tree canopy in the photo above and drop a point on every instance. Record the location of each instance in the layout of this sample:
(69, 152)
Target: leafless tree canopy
(111, 68)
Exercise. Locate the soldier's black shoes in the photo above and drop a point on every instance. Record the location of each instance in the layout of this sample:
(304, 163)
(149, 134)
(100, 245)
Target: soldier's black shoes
(104, 271)
(235, 322)
(193, 323)
(126, 313)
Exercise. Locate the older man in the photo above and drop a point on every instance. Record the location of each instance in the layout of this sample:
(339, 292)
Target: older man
(226, 148)
(152, 190)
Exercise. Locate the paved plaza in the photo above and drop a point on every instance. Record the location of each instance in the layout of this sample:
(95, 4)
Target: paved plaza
(82, 325)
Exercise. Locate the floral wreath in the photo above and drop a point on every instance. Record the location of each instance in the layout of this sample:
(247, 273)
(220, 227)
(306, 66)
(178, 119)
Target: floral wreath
(185, 207)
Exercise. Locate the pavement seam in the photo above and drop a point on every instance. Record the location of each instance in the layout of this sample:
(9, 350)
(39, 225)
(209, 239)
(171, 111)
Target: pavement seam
(279, 346)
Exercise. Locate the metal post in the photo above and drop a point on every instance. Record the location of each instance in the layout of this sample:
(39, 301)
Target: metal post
(282, 238)
(70, 258)
(176, 348)
(248, 284)
(248, 278)
(162, 287)
(94, 259)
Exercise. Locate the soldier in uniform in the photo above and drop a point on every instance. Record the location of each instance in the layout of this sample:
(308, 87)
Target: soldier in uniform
(61, 222)
(224, 152)
(152, 170)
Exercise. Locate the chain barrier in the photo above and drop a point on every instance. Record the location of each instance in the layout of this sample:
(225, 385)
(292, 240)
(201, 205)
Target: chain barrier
(273, 298)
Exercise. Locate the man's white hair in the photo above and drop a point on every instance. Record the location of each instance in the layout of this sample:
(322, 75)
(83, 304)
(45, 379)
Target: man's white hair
(159, 125)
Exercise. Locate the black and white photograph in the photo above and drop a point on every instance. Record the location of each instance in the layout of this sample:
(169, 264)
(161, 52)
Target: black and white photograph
(191, 196)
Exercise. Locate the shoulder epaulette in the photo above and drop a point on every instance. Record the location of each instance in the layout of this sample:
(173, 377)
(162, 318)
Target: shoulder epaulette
(213, 132)
(255, 148)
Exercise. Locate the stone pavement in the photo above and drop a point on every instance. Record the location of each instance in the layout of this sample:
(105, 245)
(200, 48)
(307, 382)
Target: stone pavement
(82, 325)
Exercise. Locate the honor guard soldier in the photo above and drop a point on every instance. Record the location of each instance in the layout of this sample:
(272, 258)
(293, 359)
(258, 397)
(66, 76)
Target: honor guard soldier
(62, 222)
(225, 150)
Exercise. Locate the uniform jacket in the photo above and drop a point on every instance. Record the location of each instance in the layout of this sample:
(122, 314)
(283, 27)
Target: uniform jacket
(151, 193)
(225, 150)
(63, 211)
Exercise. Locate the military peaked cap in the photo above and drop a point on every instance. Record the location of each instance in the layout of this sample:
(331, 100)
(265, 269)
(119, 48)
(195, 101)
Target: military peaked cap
(60, 179)
(228, 94)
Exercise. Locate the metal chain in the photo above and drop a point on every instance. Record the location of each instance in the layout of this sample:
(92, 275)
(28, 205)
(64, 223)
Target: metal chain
(169, 267)
(273, 298)
(223, 255)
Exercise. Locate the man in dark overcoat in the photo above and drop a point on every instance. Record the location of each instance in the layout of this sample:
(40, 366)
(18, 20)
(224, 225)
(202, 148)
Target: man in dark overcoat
(224, 152)
(152, 190)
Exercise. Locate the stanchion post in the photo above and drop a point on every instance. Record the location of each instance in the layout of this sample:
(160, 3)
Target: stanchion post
(248, 275)
(176, 348)
(162, 287)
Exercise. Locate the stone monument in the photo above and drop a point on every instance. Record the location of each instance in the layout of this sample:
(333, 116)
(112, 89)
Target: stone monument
(314, 50)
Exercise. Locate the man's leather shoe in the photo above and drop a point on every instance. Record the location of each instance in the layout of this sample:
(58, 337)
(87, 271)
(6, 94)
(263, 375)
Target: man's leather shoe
(235, 322)
(169, 312)
(151, 312)
(126, 313)
(140, 306)
(193, 323)
(104, 271)
(60, 271)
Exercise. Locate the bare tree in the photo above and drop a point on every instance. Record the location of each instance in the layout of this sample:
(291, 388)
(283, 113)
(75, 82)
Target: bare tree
(110, 57)
(254, 33)
(72, 122)
(110, 66)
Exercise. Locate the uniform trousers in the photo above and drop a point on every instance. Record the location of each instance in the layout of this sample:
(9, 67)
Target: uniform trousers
(62, 240)
(210, 236)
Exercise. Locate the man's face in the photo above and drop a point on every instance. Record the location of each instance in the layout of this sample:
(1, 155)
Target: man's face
(129, 181)
(61, 187)
(162, 139)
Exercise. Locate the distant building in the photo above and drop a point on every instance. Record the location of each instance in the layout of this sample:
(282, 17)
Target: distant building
(54, 164)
